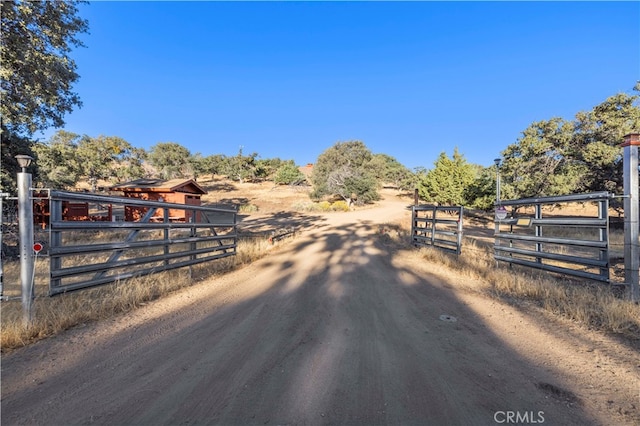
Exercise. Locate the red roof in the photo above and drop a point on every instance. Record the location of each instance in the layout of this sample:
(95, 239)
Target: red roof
(189, 186)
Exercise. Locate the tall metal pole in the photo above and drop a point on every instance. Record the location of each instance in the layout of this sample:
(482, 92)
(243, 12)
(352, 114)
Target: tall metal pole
(497, 219)
(25, 210)
(497, 161)
(2, 195)
(631, 214)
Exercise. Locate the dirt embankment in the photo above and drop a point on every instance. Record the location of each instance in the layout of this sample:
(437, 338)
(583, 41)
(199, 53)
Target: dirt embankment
(335, 327)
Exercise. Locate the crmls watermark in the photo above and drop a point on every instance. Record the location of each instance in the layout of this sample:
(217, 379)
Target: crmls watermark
(518, 417)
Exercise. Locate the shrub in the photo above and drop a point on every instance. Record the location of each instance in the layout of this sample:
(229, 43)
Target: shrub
(288, 174)
(248, 208)
(302, 206)
(324, 206)
(340, 206)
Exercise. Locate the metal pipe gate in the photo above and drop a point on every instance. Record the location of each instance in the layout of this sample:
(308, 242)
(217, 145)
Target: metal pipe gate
(438, 226)
(572, 245)
(86, 253)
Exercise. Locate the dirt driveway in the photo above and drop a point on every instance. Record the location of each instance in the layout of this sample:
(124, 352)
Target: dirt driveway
(336, 328)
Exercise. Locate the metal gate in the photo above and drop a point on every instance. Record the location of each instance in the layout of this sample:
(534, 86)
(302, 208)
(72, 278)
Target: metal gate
(85, 253)
(88, 243)
(438, 226)
(567, 244)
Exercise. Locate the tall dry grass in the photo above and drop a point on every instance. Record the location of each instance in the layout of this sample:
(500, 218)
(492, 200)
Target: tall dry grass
(594, 305)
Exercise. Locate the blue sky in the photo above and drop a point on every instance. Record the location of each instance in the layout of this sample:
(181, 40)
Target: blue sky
(290, 79)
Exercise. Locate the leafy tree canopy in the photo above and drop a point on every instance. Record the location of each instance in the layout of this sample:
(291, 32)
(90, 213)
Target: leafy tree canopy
(36, 71)
(447, 182)
(58, 162)
(198, 165)
(344, 170)
(554, 157)
(214, 164)
(266, 168)
(538, 163)
(170, 159)
(388, 170)
(288, 174)
(67, 157)
(597, 139)
(100, 156)
(241, 167)
(481, 193)
(11, 145)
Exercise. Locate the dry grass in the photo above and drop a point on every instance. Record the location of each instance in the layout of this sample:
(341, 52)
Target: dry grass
(52, 315)
(593, 305)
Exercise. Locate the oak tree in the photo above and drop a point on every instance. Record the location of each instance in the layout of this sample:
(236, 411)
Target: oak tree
(170, 159)
(344, 170)
(58, 162)
(36, 71)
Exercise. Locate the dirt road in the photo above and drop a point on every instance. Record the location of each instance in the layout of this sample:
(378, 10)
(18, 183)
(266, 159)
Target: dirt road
(333, 328)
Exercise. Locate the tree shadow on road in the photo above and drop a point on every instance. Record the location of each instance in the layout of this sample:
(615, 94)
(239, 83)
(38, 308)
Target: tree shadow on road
(299, 222)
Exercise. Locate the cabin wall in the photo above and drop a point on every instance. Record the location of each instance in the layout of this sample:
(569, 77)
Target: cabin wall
(133, 214)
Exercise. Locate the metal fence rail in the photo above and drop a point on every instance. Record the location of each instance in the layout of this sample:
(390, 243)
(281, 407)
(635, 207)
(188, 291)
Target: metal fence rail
(85, 253)
(438, 226)
(570, 244)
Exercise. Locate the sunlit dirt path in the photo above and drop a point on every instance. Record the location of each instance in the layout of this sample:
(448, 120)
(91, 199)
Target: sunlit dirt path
(333, 328)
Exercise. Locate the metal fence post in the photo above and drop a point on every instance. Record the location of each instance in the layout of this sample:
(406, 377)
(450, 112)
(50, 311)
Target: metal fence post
(459, 231)
(603, 236)
(414, 223)
(55, 262)
(25, 210)
(433, 225)
(166, 235)
(2, 195)
(631, 214)
(538, 230)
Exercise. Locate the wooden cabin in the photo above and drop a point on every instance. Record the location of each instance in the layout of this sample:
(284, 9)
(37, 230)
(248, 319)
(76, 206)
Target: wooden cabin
(177, 191)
